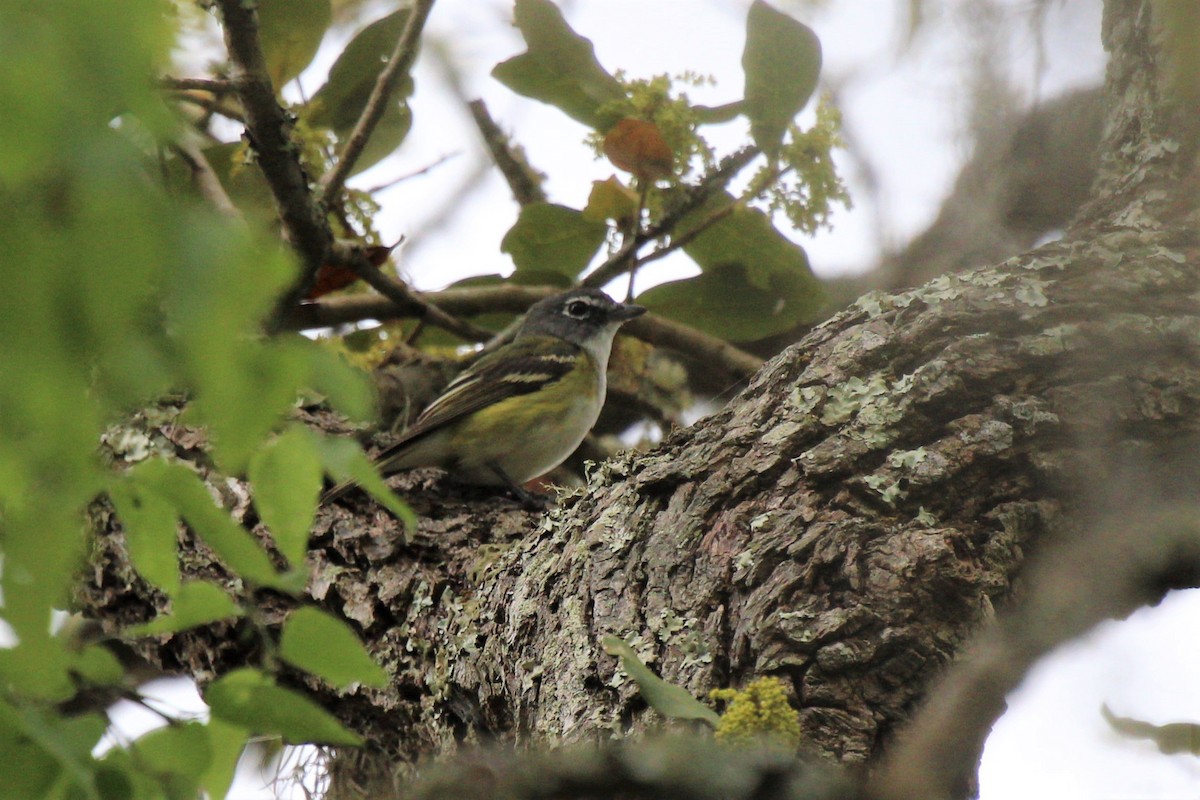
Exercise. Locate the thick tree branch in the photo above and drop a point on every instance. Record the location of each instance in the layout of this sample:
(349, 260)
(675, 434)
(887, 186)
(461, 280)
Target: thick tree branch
(1104, 574)
(399, 64)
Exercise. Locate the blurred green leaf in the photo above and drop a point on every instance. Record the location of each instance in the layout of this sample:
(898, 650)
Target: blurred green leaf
(251, 700)
(781, 61)
(551, 238)
(345, 460)
(39, 767)
(327, 647)
(347, 388)
(196, 603)
(285, 477)
(177, 755)
(227, 742)
(290, 32)
(53, 744)
(667, 699)
(232, 543)
(559, 67)
(98, 666)
(151, 526)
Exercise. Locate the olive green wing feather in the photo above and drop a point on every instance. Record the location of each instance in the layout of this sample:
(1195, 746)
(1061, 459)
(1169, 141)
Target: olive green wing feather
(521, 367)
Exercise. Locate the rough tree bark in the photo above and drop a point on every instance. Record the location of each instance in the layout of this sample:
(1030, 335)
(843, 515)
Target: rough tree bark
(845, 523)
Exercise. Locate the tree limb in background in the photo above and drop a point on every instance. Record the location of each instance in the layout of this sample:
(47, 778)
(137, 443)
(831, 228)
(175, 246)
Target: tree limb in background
(719, 355)
(1074, 585)
(524, 181)
(399, 64)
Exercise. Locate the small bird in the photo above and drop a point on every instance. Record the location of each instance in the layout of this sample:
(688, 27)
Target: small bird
(518, 412)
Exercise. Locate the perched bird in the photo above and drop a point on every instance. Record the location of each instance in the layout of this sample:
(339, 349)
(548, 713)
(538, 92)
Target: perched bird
(518, 412)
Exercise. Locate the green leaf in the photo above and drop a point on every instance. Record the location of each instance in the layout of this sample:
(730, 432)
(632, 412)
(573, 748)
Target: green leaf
(196, 603)
(340, 102)
(724, 302)
(227, 743)
(667, 699)
(39, 767)
(755, 282)
(53, 743)
(251, 700)
(151, 525)
(552, 238)
(347, 388)
(231, 542)
(98, 666)
(344, 460)
(781, 60)
(290, 32)
(286, 480)
(559, 67)
(318, 643)
(177, 755)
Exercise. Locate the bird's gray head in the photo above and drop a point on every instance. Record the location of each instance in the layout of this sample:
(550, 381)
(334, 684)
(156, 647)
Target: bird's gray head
(586, 317)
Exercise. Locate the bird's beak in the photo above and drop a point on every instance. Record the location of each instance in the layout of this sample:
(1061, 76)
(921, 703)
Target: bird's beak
(627, 311)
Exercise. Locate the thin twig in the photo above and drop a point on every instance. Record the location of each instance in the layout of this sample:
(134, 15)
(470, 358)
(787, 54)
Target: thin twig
(269, 128)
(399, 64)
(524, 181)
(415, 173)
(207, 182)
(214, 85)
(211, 105)
(620, 262)
(404, 297)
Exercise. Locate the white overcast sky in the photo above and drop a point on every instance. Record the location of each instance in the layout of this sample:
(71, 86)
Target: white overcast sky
(906, 108)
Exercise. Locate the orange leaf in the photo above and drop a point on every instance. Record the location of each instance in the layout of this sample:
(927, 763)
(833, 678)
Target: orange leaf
(637, 146)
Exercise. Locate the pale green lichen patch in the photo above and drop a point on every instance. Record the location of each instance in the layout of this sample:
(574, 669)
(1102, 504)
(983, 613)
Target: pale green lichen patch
(1030, 293)
(849, 398)
(759, 522)
(806, 398)
(886, 487)
(924, 517)
(907, 459)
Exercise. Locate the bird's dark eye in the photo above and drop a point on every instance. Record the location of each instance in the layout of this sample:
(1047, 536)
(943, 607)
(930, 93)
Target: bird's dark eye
(577, 309)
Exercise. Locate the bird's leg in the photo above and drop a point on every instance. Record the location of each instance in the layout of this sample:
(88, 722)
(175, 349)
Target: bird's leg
(531, 500)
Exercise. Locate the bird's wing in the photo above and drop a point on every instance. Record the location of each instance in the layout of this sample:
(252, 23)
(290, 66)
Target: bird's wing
(518, 368)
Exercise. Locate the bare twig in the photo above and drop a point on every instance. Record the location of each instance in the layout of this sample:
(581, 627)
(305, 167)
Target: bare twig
(404, 297)
(207, 182)
(399, 63)
(524, 181)
(414, 174)
(269, 128)
(214, 85)
(211, 105)
(621, 262)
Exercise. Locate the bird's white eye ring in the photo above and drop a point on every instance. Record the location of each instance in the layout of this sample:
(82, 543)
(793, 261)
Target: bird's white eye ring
(577, 309)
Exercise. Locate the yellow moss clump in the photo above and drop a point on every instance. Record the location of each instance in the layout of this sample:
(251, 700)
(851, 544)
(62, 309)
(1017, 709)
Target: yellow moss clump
(759, 709)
